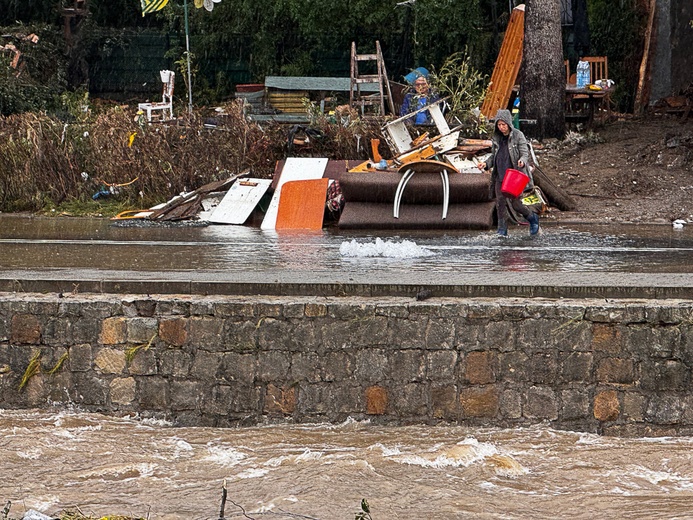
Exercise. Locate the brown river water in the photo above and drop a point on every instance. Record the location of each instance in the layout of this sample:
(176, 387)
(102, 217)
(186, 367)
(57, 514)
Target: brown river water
(57, 460)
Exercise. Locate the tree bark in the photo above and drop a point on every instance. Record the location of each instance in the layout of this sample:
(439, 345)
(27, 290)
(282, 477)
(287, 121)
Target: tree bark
(542, 89)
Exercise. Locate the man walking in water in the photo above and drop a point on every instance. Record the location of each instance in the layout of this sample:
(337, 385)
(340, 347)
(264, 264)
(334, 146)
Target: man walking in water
(509, 150)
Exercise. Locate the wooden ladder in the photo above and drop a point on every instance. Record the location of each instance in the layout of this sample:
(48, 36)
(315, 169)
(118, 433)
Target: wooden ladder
(356, 97)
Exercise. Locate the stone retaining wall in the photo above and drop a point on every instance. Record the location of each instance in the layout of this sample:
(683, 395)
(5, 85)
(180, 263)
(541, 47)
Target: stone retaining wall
(616, 367)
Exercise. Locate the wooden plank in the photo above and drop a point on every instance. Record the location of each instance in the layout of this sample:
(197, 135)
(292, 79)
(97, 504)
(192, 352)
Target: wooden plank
(507, 65)
(295, 169)
(240, 201)
(302, 204)
(642, 91)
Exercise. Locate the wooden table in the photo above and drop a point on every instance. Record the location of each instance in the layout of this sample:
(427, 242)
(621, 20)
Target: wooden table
(591, 99)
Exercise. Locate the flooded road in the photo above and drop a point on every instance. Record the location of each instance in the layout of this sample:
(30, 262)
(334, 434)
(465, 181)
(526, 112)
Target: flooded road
(36, 243)
(105, 465)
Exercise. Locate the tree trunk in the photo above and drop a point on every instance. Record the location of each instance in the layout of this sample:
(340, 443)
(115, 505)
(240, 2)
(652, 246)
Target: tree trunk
(542, 89)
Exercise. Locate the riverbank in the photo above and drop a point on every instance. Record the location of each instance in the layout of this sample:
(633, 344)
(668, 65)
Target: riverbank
(633, 170)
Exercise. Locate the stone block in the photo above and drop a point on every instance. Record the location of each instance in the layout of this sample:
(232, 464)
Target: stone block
(280, 400)
(606, 338)
(468, 335)
(269, 310)
(240, 336)
(110, 361)
(440, 334)
(576, 367)
(154, 393)
(206, 333)
(500, 335)
(576, 405)
(25, 329)
(122, 391)
(606, 406)
(175, 362)
(664, 409)
(235, 309)
(57, 331)
(294, 310)
(114, 331)
(206, 365)
(441, 365)
(543, 368)
(273, 366)
(338, 366)
(659, 342)
(86, 330)
(633, 409)
(615, 370)
(145, 308)
(240, 367)
(143, 362)
(444, 402)
(480, 401)
(185, 395)
(376, 400)
(513, 366)
(142, 330)
(350, 311)
(79, 357)
(306, 367)
(410, 401)
(605, 314)
(510, 404)
(392, 310)
(372, 366)
(315, 310)
(409, 333)
(541, 404)
(480, 368)
(174, 331)
(173, 308)
(407, 365)
(89, 390)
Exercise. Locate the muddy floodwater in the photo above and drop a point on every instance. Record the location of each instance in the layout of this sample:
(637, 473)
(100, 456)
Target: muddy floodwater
(105, 465)
(59, 243)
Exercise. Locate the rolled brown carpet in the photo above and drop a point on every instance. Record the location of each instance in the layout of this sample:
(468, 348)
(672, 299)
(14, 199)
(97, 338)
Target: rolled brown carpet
(423, 188)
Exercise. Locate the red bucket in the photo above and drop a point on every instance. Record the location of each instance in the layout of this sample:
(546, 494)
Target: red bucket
(514, 183)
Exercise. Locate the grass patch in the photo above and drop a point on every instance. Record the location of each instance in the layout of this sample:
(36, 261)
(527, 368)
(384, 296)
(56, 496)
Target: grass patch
(32, 369)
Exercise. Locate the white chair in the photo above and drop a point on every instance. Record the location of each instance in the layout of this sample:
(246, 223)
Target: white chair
(166, 104)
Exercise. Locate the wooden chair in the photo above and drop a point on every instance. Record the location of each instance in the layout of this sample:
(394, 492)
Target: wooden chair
(599, 67)
(166, 104)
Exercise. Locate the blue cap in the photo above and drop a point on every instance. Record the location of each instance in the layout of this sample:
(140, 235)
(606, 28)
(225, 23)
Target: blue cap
(416, 73)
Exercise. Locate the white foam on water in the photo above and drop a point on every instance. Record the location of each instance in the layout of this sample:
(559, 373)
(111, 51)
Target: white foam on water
(224, 456)
(462, 454)
(253, 473)
(387, 452)
(31, 453)
(384, 249)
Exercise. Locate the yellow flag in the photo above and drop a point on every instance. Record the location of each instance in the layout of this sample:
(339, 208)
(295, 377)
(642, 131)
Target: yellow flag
(149, 6)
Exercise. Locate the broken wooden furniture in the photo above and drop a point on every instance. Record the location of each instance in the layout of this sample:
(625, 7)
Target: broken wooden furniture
(166, 103)
(358, 80)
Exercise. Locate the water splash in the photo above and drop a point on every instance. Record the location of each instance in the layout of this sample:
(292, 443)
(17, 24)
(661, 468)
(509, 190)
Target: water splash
(384, 248)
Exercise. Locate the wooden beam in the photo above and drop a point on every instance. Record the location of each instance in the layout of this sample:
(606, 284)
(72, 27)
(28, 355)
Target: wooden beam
(642, 93)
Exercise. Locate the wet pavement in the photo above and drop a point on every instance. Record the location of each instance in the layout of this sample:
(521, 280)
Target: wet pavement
(94, 255)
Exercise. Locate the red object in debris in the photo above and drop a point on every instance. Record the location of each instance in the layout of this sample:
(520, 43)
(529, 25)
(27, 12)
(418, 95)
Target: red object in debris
(250, 87)
(514, 183)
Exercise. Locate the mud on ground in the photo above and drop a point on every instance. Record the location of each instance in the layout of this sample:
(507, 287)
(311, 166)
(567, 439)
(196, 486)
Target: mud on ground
(628, 171)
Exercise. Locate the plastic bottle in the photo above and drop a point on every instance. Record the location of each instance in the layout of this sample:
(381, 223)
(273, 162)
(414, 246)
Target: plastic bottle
(582, 76)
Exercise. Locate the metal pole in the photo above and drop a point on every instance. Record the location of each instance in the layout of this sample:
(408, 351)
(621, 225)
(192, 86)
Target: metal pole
(187, 54)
